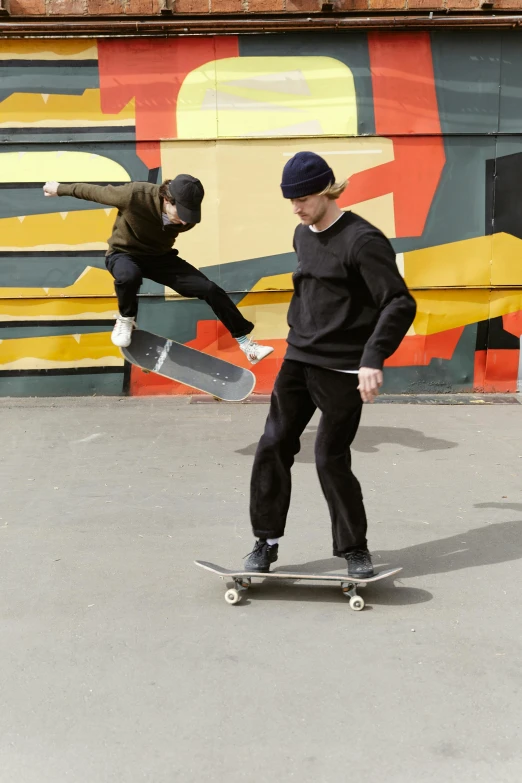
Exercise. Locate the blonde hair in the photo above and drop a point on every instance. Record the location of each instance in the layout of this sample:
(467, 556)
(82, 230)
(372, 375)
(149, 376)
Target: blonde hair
(334, 190)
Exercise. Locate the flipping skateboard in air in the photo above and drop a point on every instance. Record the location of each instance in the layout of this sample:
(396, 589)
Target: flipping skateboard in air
(180, 363)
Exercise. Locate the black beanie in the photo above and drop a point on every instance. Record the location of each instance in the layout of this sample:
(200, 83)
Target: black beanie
(305, 174)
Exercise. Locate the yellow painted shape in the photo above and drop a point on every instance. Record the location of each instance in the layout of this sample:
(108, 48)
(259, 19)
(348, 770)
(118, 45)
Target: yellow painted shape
(62, 309)
(506, 268)
(281, 282)
(266, 297)
(269, 317)
(60, 167)
(440, 310)
(21, 109)
(260, 96)
(504, 302)
(92, 282)
(84, 230)
(48, 49)
(244, 213)
(378, 211)
(465, 263)
(64, 350)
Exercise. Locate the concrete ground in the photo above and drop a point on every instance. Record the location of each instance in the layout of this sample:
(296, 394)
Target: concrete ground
(120, 661)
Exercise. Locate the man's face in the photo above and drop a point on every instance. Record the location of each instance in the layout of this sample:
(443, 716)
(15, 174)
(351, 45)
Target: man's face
(310, 209)
(172, 213)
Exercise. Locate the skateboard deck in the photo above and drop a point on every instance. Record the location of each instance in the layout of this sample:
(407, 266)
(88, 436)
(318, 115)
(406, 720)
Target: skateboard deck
(242, 581)
(180, 363)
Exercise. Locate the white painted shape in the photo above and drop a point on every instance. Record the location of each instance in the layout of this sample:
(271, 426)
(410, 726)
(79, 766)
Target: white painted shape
(288, 82)
(306, 128)
(162, 356)
(45, 96)
(222, 101)
(400, 263)
(340, 152)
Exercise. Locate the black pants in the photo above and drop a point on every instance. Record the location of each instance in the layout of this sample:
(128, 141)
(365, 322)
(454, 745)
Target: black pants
(171, 270)
(299, 390)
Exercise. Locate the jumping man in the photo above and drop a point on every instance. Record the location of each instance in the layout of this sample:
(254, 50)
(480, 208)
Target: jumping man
(349, 312)
(150, 217)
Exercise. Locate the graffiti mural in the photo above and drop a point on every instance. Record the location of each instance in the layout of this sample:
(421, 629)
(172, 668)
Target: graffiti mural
(425, 126)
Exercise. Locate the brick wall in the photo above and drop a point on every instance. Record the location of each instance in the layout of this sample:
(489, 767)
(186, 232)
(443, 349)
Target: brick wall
(152, 7)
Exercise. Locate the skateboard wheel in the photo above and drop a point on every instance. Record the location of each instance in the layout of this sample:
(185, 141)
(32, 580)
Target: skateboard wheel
(232, 597)
(356, 603)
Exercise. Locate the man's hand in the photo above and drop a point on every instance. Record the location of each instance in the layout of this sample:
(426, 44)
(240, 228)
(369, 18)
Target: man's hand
(51, 188)
(370, 381)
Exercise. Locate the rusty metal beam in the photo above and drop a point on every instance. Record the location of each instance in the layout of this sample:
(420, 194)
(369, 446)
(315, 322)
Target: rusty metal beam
(166, 26)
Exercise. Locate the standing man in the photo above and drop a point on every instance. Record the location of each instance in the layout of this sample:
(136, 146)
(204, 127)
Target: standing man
(150, 217)
(349, 312)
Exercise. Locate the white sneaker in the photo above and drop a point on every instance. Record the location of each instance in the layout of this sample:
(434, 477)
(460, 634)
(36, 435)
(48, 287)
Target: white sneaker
(255, 352)
(122, 332)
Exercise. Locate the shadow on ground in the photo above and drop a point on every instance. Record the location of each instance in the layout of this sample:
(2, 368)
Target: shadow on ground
(490, 544)
(368, 441)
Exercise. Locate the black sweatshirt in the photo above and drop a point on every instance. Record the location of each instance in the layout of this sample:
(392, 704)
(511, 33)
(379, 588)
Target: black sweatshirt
(350, 308)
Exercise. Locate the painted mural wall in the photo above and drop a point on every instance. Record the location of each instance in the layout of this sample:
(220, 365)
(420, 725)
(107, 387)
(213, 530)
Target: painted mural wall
(428, 128)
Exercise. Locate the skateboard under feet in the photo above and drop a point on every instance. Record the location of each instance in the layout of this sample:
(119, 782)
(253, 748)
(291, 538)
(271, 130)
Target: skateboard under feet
(243, 580)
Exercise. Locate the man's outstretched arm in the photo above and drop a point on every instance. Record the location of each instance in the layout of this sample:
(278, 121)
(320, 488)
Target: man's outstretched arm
(111, 195)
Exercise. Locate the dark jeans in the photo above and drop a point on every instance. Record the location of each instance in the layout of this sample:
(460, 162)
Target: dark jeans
(169, 269)
(299, 390)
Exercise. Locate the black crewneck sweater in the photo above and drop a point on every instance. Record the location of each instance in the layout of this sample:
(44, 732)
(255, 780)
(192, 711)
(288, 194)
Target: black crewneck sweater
(350, 308)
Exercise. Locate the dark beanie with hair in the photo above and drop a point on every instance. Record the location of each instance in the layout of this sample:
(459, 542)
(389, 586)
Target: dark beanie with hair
(305, 174)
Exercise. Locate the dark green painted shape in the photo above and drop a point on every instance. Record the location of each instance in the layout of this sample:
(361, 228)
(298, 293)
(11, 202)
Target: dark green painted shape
(176, 320)
(467, 77)
(45, 270)
(41, 77)
(241, 276)
(18, 332)
(349, 48)
(458, 207)
(74, 135)
(31, 201)
(511, 82)
(73, 385)
(441, 376)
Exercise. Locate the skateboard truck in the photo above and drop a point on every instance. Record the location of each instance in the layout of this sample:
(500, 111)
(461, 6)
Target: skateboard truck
(349, 589)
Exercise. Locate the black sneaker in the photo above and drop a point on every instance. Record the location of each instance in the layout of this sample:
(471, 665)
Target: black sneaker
(359, 563)
(261, 557)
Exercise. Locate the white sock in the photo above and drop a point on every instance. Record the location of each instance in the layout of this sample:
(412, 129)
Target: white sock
(272, 541)
(244, 339)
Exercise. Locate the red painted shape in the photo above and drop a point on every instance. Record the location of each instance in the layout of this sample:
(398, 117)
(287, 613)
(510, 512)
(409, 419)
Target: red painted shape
(151, 71)
(496, 370)
(512, 323)
(404, 96)
(214, 339)
(419, 349)
(405, 103)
